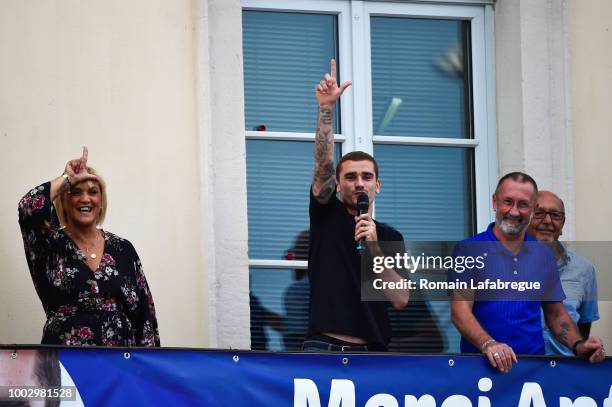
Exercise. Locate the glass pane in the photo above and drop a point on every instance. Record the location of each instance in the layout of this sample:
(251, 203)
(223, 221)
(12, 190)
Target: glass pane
(285, 55)
(426, 192)
(420, 74)
(279, 308)
(279, 175)
(279, 315)
(417, 329)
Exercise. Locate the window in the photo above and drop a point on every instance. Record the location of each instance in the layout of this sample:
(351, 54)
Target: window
(418, 104)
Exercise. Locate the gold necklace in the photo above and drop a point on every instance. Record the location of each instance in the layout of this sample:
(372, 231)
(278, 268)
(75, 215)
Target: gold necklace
(93, 254)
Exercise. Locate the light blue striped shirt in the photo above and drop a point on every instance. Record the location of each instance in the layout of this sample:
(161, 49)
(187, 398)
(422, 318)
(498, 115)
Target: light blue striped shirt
(580, 287)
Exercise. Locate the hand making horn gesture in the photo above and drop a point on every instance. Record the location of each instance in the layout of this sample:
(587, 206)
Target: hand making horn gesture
(327, 90)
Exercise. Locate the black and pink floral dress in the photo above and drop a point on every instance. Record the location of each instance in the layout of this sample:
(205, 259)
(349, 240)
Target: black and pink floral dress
(111, 306)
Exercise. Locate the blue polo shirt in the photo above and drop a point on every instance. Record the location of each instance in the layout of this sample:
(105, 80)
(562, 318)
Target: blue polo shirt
(508, 315)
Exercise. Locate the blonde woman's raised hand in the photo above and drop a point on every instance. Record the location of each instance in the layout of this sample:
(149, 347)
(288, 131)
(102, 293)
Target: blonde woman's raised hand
(76, 169)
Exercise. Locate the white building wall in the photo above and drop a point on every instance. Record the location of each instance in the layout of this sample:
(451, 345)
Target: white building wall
(223, 171)
(554, 81)
(120, 77)
(154, 88)
(533, 100)
(591, 87)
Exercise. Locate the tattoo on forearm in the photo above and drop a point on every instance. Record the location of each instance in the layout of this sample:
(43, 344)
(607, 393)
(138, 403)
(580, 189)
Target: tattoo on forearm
(562, 334)
(324, 134)
(324, 147)
(325, 115)
(325, 187)
(321, 151)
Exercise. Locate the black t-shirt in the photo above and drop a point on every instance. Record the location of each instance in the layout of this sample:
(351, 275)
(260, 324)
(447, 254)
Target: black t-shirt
(334, 269)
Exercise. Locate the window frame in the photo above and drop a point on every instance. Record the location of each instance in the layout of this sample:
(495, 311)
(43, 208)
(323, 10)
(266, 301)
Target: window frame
(341, 10)
(354, 51)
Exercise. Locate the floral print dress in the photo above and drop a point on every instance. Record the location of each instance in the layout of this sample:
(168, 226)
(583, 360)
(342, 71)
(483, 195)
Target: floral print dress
(111, 306)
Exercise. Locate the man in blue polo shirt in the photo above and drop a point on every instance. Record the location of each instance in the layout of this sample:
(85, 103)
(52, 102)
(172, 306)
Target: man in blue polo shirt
(505, 323)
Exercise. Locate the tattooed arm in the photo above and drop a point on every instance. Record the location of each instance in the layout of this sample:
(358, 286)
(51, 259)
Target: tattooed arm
(327, 92)
(565, 331)
(561, 324)
(323, 178)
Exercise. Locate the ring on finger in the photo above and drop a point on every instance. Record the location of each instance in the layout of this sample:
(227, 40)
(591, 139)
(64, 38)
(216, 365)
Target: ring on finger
(496, 355)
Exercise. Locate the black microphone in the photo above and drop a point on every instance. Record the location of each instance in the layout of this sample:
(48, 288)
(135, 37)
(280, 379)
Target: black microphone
(363, 204)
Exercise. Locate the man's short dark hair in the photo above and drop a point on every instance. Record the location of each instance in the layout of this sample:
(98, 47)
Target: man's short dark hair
(356, 156)
(518, 177)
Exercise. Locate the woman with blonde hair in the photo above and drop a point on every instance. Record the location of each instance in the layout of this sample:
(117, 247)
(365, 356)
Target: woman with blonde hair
(90, 281)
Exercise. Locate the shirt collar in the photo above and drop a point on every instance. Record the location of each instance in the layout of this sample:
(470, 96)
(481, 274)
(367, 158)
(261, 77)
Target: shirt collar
(500, 247)
(490, 233)
(565, 254)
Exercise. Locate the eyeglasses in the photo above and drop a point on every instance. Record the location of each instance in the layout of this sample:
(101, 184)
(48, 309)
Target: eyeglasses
(554, 215)
(522, 206)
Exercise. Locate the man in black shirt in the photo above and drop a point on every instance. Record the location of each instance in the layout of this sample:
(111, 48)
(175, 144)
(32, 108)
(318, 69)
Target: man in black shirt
(339, 319)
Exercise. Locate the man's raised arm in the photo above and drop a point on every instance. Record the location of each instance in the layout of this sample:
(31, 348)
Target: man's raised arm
(327, 92)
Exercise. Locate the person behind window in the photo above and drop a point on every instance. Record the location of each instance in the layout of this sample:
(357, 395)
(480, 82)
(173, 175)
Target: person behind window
(90, 281)
(262, 317)
(295, 297)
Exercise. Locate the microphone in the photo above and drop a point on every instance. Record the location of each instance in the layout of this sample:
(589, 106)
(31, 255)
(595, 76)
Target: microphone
(363, 204)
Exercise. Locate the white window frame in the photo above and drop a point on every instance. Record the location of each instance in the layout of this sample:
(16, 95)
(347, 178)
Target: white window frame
(356, 107)
(483, 143)
(342, 10)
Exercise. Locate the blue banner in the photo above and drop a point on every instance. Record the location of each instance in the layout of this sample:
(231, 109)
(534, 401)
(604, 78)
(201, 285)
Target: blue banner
(172, 377)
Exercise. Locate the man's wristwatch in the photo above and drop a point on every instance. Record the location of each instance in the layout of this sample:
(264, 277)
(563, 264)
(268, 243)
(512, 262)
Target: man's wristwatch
(575, 346)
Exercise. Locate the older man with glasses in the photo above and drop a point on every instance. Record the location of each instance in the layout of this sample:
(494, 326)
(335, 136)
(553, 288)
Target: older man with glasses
(577, 273)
